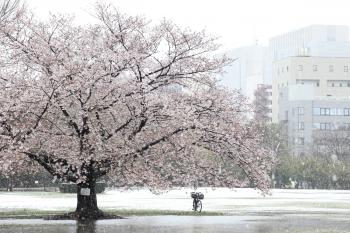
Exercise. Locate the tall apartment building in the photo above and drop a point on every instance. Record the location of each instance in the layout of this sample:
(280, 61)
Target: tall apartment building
(253, 64)
(310, 94)
(263, 103)
(314, 40)
(246, 72)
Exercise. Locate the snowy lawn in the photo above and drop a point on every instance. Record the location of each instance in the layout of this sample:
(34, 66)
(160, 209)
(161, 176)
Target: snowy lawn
(237, 201)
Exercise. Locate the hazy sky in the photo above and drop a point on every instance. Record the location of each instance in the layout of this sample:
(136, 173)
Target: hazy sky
(238, 23)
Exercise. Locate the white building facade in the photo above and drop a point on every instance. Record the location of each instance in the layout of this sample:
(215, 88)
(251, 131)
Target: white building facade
(314, 41)
(310, 94)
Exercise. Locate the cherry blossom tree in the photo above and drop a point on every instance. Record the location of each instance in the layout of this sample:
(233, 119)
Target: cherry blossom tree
(7, 7)
(125, 97)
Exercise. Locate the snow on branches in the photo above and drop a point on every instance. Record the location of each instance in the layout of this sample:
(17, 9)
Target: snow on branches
(125, 96)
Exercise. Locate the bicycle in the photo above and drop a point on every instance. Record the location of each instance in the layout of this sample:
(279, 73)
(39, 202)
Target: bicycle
(197, 203)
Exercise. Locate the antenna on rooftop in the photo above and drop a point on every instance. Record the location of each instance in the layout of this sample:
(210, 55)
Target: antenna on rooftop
(256, 41)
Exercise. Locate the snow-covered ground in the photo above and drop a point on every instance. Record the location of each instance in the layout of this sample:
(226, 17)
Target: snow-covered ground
(237, 201)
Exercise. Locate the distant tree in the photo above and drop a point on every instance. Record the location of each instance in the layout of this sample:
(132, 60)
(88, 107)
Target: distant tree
(333, 144)
(312, 172)
(24, 177)
(84, 101)
(261, 104)
(274, 138)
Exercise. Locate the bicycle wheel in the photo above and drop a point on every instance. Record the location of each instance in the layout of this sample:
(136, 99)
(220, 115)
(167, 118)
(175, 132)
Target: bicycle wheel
(199, 206)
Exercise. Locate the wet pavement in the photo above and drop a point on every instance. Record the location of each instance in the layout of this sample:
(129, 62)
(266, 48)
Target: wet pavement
(246, 211)
(320, 223)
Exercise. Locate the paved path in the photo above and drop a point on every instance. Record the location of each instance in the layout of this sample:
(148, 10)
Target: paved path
(238, 201)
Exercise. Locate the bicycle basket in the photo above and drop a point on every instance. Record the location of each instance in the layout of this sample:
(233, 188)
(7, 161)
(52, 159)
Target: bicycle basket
(200, 196)
(194, 195)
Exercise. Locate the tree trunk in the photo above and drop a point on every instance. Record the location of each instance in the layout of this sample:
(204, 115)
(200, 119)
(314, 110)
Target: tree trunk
(9, 184)
(87, 202)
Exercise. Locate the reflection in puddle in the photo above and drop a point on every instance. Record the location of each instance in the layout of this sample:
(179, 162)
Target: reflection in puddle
(86, 227)
(186, 224)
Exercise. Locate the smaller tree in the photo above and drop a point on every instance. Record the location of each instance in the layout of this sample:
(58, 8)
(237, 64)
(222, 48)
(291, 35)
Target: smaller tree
(262, 103)
(312, 172)
(273, 137)
(332, 144)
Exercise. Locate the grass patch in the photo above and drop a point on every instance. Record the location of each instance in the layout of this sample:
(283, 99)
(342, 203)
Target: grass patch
(319, 231)
(32, 214)
(128, 212)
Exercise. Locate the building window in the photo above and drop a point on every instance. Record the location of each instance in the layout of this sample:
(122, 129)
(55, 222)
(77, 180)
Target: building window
(300, 67)
(324, 111)
(338, 83)
(299, 141)
(301, 125)
(316, 126)
(287, 68)
(314, 68)
(325, 126)
(317, 84)
(331, 68)
(316, 111)
(300, 111)
(346, 126)
(346, 68)
(334, 112)
(337, 112)
(340, 112)
(346, 111)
